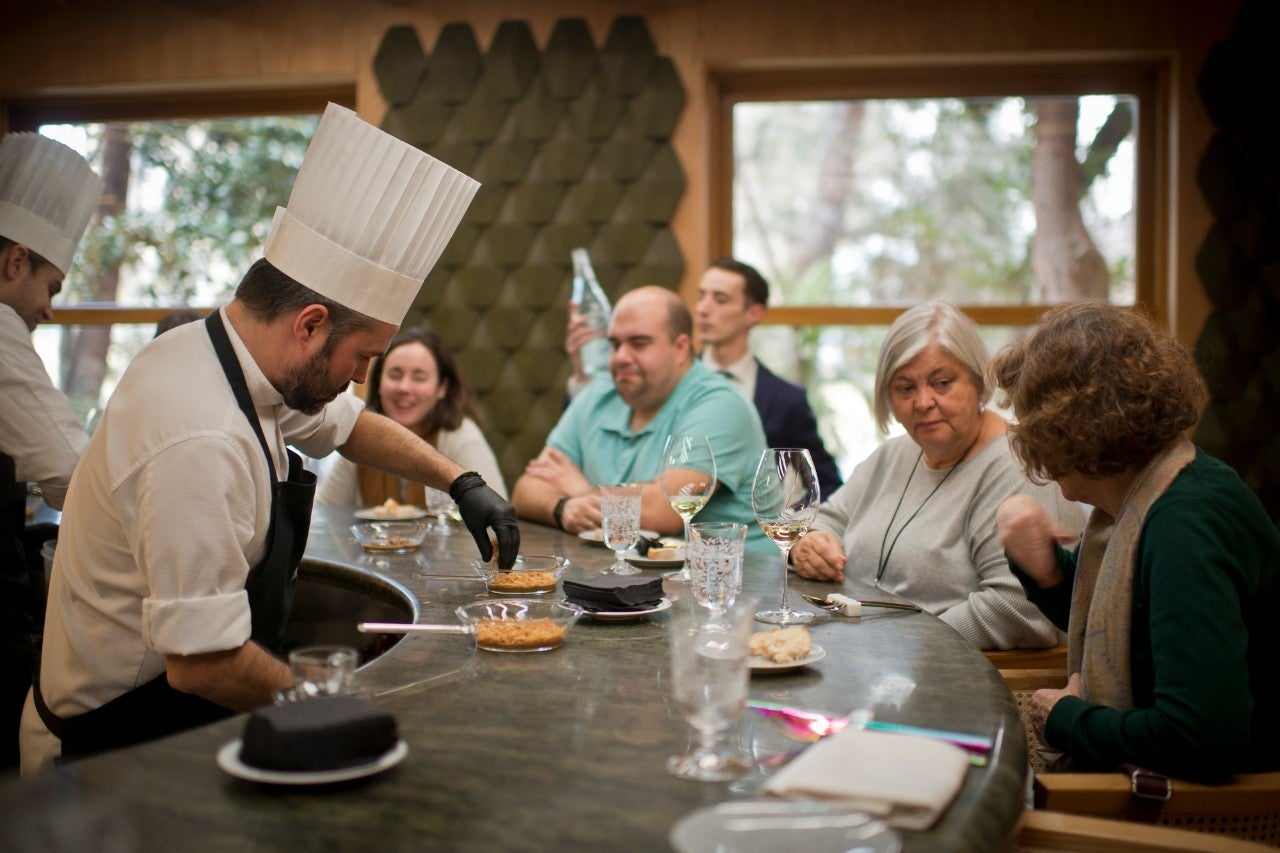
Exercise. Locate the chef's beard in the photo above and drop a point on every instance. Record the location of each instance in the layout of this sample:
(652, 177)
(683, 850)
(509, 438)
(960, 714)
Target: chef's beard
(303, 387)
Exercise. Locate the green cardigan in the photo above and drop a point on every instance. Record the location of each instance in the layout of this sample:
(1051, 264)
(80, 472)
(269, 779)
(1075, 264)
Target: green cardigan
(1205, 649)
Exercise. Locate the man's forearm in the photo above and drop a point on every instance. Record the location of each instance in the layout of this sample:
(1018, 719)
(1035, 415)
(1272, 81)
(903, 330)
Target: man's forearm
(240, 679)
(535, 499)
(379, 442)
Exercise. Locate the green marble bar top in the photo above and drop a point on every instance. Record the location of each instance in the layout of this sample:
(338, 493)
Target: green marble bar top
(561, 750)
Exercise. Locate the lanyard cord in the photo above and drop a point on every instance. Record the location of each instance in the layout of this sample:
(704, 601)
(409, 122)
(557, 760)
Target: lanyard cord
(883, 562)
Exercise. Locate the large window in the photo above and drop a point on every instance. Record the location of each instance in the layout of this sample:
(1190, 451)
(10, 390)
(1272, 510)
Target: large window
(859, 192)
(186, 208)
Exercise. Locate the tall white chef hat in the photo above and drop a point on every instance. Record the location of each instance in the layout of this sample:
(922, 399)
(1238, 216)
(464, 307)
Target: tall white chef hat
(368, 217)
(47, 194)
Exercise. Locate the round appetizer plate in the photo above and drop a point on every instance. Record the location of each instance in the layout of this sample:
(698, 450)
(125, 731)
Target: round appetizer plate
(597, 535)
(627, 615)
(648, 563)
(229, 761)
(404, 513)
(759, 664)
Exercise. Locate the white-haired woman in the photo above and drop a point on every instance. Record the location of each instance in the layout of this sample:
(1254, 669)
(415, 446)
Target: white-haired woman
(918, 516)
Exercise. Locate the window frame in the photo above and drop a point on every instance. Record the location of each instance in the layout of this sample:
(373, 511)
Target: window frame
(1144, 76)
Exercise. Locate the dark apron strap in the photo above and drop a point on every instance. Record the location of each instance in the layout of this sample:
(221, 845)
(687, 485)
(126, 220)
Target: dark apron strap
(271, 583)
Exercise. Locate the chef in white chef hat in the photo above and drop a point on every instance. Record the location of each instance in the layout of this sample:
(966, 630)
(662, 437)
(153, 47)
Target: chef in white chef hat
(48, 194)
(210, 505)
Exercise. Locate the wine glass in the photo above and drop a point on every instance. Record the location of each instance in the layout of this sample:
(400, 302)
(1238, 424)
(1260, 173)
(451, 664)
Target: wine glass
(620, 515)
(709, 673)
(785, 499)
(687, 479)
(440, 505)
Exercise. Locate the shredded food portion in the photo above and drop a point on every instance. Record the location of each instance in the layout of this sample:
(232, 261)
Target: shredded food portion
(519, 633)
(522, 581)
(781, 645)
(391, 543)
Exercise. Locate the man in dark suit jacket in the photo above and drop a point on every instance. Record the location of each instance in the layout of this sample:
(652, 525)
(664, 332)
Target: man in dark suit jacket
(733, 297)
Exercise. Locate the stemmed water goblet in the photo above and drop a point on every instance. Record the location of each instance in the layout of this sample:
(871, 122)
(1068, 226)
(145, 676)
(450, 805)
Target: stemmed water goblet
(440, 505)
(785, 498)
(687, 479)
(620, 516)
(709, 673)
(714, 556)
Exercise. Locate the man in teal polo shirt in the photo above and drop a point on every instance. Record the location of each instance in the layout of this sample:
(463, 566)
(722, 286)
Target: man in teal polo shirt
(614, 431)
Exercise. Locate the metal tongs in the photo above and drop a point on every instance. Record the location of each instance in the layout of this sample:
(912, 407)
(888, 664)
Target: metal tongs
(835, 607)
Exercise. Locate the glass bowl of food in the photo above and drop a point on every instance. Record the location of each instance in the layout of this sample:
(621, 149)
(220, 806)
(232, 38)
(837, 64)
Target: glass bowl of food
(531, 574)
(520, 624)
(390, 537)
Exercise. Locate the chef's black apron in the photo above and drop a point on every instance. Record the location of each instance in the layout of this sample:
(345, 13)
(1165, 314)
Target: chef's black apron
(17, 653)
(155, 709)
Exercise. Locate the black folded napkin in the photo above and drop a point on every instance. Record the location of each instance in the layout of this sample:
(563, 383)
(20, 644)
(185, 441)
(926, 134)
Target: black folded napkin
(323, 733)
(614, 593)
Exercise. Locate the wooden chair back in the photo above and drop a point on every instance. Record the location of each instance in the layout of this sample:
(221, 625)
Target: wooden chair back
(1044, 831)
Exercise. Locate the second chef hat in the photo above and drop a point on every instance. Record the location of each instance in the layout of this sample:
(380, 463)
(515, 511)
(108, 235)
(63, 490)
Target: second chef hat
(47, 195)
(368, 217)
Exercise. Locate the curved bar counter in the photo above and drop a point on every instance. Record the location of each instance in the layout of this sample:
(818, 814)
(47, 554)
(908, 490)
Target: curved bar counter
(552, 751)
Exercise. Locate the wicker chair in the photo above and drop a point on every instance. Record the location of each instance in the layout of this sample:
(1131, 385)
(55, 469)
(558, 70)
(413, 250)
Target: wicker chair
(1044, 831)
(1248, 807)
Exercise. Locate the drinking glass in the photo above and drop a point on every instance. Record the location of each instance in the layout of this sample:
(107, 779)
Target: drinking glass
(620, 514)
(715, 550)
(322, 670)
(687, 478)
(785, 499)
(709, 671)
(441, 506)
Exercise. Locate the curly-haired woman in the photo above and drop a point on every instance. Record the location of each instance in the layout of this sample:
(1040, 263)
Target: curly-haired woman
(1170, 602)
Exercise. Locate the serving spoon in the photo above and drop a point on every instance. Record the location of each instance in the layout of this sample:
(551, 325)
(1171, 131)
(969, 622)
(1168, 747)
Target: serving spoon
(412, 628)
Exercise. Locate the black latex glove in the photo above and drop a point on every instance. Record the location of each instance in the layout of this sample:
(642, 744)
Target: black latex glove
(482, 508)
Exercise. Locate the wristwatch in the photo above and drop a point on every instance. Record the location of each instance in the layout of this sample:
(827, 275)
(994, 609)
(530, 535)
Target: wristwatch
(557, 514)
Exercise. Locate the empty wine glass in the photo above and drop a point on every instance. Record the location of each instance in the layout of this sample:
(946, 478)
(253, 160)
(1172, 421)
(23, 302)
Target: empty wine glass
(687, 479)
(785, 499)
(620, 514)
(709, 673)
(440, 505)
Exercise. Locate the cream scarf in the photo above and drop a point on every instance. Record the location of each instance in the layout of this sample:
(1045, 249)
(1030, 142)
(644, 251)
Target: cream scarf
(1098, 628)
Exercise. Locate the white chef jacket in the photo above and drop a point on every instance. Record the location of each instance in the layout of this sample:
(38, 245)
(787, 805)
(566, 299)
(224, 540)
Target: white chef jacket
(37, 426)
(168, 512)
(465, 445)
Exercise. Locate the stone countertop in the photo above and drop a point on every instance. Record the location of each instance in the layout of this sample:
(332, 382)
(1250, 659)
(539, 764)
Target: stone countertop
(558, 750)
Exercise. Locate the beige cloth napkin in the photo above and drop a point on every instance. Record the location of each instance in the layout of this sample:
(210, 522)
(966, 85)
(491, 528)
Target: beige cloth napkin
(903, 779)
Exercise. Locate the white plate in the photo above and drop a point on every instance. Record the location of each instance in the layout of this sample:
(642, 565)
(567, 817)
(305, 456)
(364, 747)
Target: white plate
(766, 826)
(627, 615)
(229, 760)
(759, 664)
(645, 563)
(597, 535)
(404, 513)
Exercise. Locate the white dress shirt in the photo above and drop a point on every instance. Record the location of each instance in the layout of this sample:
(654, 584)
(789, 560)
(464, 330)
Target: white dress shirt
(743, 372)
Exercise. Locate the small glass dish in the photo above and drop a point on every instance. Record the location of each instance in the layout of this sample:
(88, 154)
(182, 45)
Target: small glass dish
(390, 537)
(531, 574)
(520, 624)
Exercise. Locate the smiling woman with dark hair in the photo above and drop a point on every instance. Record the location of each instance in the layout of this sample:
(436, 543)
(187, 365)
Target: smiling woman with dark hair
(1170, 601)
(416, 383)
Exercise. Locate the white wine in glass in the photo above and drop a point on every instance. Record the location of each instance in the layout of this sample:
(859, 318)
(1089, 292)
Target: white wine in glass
(785, 498)
(687, 479)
